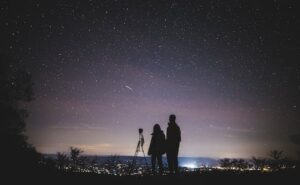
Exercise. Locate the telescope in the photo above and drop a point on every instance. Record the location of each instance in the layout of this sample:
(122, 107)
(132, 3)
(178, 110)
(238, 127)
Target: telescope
(139, 148)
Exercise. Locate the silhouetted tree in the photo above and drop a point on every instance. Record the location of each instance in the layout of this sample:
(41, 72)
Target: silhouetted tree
(63, 161)
(225, 163)
(238, 164)
(234, 163)
(259, 163)
(242, 164)
(78, 162)
(276, 154)
(15, 90)
(276, 159)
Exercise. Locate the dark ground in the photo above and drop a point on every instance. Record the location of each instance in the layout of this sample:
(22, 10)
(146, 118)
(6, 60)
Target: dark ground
(218, 177)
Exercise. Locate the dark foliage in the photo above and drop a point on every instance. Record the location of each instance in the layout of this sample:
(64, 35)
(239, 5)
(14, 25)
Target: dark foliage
(15, 90)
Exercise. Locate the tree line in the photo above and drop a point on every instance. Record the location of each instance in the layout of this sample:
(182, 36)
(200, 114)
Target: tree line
(275, 161)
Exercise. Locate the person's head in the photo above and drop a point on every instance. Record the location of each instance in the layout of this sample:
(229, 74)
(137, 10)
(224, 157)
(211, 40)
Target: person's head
(172, 118)
(156, 128)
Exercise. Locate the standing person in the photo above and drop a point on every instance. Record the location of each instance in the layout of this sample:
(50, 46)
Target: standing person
(173, 140)
(157, 148)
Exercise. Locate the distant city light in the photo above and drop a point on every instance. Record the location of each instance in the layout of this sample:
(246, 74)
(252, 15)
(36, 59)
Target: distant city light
(190, 165)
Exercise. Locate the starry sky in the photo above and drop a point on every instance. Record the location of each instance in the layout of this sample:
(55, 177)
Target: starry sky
(229, 70)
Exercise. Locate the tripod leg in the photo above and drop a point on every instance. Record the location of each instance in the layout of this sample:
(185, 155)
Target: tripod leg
(134, 158)
(146, 162)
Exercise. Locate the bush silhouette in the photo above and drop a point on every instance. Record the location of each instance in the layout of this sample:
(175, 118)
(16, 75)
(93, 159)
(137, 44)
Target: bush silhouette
(16, 88)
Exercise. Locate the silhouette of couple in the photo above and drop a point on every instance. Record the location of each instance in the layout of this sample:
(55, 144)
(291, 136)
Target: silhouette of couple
(160, 145)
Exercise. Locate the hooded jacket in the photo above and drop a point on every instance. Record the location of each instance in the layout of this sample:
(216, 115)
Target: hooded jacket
(157, 145)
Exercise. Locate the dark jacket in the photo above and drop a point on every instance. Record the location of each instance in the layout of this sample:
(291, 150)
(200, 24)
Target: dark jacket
(173, 134)
(157, 145)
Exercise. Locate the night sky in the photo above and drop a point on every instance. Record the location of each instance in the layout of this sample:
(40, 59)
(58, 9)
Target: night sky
(229, 70)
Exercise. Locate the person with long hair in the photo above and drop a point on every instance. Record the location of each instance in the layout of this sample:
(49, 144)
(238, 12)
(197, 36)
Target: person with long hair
(157, 148)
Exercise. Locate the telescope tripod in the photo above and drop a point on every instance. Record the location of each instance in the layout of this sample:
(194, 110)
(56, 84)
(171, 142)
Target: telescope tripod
(139, 148)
